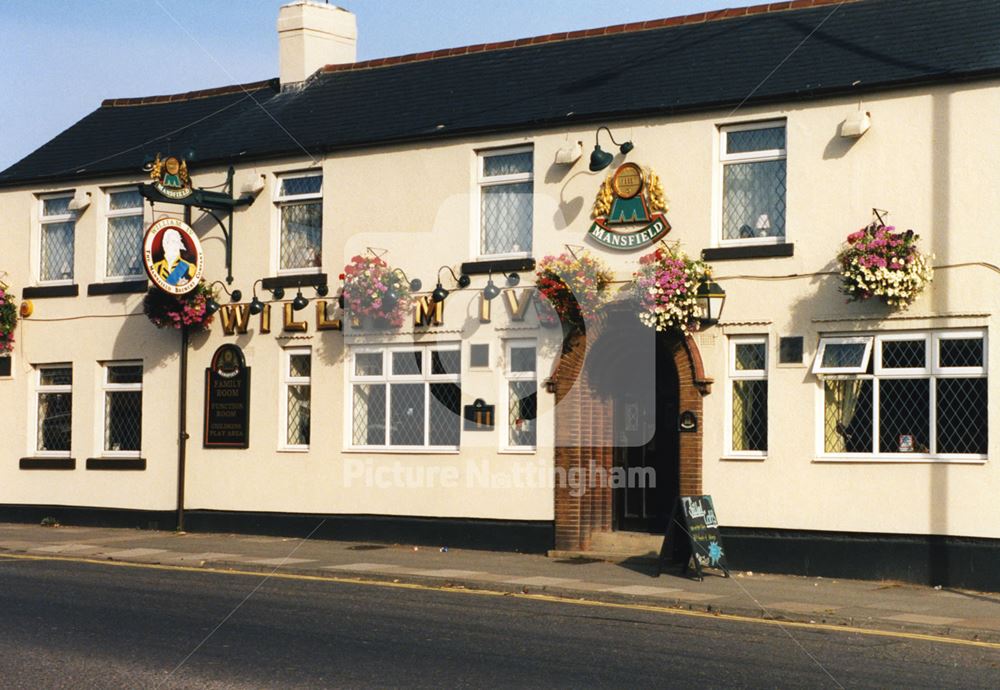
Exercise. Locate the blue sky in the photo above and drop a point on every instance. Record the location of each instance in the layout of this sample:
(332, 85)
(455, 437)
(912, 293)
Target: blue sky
(61, 58)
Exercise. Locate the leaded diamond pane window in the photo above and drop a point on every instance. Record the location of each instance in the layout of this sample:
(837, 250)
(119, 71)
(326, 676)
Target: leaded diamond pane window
(125, 246)
(848, 408)
(297, 403)
(122, 408)
(57, 251)
(750, 415)
(753, 200)
(904, 415)
(302, 235)
(129, 199)
(506, 202)
(54, 410)
(56, 206)
(753, 182)
(123, 420)
(960, 352)
(523, 401)
(904, 354)
(298, 415)
(962, 425)
(748, 393)
(522, 394)
(414, 402)
(906, 408)
(308, 185)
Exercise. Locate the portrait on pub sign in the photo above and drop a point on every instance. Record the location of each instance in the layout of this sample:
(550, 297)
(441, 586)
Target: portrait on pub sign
(172, 256)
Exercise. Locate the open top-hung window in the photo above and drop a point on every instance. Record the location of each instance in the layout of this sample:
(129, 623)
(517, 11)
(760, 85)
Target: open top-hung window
(752, 161)
(913, 395)
(300, 222)
(506, 201)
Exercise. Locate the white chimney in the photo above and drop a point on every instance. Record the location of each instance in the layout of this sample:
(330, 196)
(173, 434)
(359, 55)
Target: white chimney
(311, 35)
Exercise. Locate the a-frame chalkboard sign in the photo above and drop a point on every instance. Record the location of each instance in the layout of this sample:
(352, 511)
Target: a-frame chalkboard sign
(693, 537)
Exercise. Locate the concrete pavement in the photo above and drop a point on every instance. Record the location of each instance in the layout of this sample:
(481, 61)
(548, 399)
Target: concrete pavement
(881, 605)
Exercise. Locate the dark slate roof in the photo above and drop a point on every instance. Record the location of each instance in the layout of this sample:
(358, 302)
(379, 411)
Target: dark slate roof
(714, 60)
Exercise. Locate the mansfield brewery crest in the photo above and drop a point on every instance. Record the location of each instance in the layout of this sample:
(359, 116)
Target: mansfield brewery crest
(170, 177)
(628, 212)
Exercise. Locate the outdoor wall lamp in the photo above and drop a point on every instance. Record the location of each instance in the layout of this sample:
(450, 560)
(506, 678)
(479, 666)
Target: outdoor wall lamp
(601, 159)
(710, 299)
(212, 306)
(440, 294)
(491, 291)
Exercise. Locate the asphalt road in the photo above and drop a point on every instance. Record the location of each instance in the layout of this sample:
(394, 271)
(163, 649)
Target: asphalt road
(77, 625)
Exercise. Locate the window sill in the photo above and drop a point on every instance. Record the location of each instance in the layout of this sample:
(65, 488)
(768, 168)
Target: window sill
(518, 451)
(48, 463)
(116, 463)
(44, 291)
(901, 460)
(499, 265)
(294, 280)
(119, 287)
(404, 451)
(743, 458)
(293, 449)
(752, 251)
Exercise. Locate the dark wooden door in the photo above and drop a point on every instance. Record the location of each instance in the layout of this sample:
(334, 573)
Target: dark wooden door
(647, 447)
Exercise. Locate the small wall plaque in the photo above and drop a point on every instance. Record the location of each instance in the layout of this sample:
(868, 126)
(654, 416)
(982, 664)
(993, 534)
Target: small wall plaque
(479, 416)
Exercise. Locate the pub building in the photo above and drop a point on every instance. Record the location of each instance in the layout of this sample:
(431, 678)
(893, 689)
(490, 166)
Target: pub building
(368, 238)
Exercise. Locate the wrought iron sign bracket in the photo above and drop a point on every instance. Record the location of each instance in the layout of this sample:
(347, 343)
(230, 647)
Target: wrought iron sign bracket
(213, 204)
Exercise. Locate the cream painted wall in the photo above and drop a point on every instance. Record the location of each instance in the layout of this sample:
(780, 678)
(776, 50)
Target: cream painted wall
(926, 159)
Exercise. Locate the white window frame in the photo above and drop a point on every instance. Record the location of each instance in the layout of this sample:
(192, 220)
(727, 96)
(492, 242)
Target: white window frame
(387, 378)
(818, 368)
(282, 200)
(886, 372)
(933, 372)
(104, 257)
(494, 180)
(509, 376)
(44, 220)
(745, 375)
(39, 390)
(763, 156)
(288, 380)
(106, 388)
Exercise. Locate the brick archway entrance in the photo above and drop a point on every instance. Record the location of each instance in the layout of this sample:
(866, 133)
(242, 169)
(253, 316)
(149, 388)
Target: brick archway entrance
(585, 381)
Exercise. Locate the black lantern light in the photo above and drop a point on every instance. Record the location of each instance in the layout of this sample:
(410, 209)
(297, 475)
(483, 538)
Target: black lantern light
(491, 291)
(212, 305)
(300, 302)
(710, 299)
(256, 306)
(601, 159)
(440, 293)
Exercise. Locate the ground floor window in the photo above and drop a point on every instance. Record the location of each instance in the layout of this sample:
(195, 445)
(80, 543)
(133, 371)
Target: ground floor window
(296, 408)
(122, 384)
(406, 396)
(522, 394)
(748, 363)
(907, 394)
(54, 409)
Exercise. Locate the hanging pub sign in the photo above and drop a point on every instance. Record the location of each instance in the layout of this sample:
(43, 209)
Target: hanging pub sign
(170, 177)
(172, 256)
(227, 399)
(629, 210)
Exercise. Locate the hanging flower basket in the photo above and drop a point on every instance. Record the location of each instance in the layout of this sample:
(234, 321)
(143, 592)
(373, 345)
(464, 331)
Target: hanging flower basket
(574, 288)
(877, 261)
(666, 288)
(176, 311)
(8, 320)
(373, 289)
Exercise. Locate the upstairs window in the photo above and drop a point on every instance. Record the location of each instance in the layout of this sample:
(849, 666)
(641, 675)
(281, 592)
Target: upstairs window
(300, 222)
(124, 235)
(506, 200)
(752, 158)
(56, 239)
